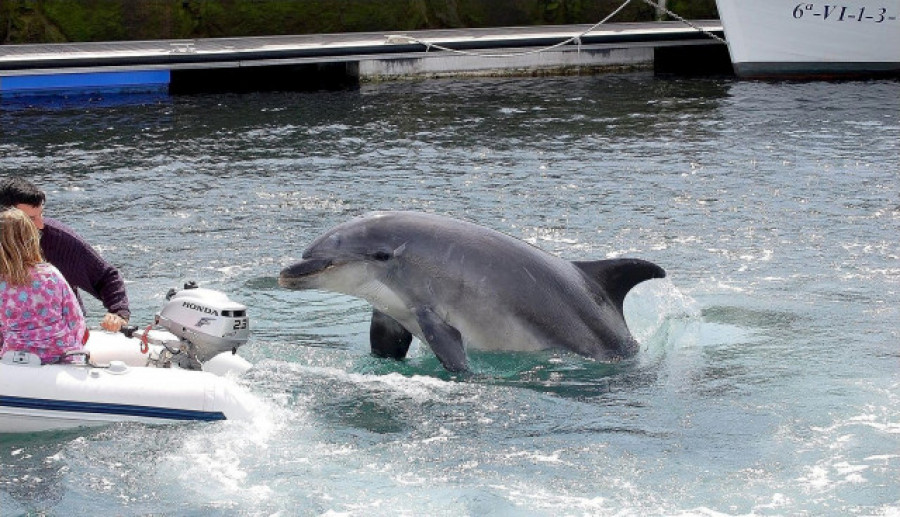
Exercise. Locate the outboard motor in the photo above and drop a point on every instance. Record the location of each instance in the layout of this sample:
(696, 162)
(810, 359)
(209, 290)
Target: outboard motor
(205, 322)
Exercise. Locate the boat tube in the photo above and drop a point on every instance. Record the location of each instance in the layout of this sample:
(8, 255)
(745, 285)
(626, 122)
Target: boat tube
(180, 369)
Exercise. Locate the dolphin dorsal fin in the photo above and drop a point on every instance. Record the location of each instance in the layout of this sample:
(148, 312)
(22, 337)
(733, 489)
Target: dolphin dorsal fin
(618, 276)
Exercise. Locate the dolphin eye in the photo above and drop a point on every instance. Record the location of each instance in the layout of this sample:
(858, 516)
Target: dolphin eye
(381, 256)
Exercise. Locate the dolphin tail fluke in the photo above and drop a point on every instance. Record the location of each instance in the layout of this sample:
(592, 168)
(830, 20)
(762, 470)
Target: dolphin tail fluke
(618, 276)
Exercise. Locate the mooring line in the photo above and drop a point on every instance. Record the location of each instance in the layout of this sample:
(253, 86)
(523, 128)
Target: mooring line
(684, 21)
(402, 38)
(405, 39)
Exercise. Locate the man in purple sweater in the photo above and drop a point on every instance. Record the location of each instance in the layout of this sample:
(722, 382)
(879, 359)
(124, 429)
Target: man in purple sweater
(79, 263)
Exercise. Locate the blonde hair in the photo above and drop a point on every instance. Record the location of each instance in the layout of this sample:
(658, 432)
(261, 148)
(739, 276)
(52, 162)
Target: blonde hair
(21, 246)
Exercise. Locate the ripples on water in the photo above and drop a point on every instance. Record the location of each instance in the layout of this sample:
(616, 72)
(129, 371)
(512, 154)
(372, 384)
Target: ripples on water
(767, 382)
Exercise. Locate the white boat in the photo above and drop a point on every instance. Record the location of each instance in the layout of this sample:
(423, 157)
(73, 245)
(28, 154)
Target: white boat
(783, 38)
(182, 371)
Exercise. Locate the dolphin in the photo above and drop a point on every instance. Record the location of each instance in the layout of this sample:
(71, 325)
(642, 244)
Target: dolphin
(457, 285)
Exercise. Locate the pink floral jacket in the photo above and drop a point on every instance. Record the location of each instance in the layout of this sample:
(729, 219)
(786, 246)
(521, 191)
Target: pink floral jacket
(43, 317)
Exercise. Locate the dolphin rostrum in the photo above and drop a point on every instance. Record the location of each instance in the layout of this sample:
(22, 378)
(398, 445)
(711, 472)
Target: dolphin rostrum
(455, 284)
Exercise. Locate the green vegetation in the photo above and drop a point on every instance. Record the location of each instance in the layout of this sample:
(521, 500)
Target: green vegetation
(53, 21)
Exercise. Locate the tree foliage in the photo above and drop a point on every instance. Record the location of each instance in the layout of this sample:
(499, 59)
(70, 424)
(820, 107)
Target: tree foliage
(49, 21)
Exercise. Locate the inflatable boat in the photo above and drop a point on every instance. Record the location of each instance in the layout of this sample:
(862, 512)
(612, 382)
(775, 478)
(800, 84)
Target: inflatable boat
(181, 368)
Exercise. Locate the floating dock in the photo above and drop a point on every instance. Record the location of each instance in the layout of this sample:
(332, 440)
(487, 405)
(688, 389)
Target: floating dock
(324, 61)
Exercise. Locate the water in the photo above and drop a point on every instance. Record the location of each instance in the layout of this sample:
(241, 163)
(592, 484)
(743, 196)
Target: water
(768, 379)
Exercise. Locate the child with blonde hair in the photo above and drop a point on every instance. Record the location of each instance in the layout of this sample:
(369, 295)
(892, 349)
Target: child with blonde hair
(38, 310)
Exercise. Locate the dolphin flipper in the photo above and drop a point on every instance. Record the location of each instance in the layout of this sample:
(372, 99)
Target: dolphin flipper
(618, 276)
(387, 337)
(445, 341)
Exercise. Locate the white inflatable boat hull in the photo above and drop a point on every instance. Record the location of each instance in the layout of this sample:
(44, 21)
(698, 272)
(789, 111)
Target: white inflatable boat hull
(124, 388)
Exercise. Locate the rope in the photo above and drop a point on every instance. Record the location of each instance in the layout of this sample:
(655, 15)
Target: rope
(577, 39)
(145, 345)
(402, 38)
(682, 20)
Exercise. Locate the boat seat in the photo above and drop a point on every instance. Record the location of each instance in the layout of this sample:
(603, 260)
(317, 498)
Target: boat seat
(21, 358)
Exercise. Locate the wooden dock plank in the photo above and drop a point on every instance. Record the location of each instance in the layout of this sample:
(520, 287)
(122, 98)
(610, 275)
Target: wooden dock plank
(322, 48)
